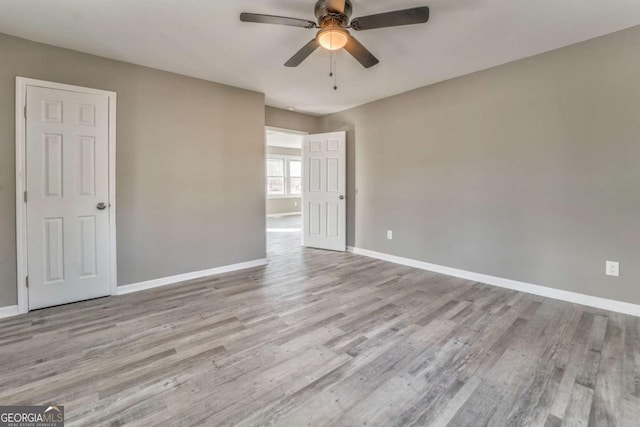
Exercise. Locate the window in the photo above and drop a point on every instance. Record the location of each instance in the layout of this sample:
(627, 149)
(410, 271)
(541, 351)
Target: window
(295, 177)
(275, 177)
(284, 176)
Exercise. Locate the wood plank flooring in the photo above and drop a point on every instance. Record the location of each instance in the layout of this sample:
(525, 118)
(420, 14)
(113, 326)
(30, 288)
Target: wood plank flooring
(326, 339)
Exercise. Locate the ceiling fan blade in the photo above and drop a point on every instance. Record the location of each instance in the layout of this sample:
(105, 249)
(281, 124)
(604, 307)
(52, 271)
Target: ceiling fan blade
(417, 15)
(277, 20)
(358, 51)
(303, 54)
(335, 6)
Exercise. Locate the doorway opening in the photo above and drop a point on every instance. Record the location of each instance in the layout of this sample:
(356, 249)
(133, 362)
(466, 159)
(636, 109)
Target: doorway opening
(284, 190)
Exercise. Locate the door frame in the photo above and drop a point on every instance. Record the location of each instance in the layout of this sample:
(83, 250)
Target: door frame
(21, 165)
(300, 133)
(284, 156)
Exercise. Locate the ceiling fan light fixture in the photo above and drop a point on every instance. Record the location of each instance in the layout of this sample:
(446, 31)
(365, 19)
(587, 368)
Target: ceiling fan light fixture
(333, 38)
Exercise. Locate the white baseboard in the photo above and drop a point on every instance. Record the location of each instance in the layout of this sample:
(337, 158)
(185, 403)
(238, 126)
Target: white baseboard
(12, 310)
(278, 215)
(574, 297)
(9, 311)
(164, 281)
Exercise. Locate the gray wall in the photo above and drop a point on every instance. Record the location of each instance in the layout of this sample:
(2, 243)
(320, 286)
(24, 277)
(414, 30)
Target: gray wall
(284, 206)
(190, 164)
(284, 151)
(291, 120)
(528, 171)
(288, 205)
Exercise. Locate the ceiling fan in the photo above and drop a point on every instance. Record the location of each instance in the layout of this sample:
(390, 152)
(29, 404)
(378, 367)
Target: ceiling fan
(333, 21)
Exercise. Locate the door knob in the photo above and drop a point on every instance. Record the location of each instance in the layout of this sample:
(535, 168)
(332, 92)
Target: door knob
(341, 197)
(101, 206)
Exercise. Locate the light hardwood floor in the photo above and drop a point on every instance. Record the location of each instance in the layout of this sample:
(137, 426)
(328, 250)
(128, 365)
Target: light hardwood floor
(322, 338)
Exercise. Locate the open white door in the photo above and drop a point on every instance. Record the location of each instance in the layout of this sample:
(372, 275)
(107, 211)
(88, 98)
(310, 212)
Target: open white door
(67, 197)
(324, 211)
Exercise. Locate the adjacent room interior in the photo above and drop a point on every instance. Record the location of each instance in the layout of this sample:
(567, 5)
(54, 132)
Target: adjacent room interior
(284, 189)
(332, 212)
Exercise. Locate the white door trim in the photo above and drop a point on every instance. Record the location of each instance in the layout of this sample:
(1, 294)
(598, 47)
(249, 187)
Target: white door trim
(21, 159)
(283, 130)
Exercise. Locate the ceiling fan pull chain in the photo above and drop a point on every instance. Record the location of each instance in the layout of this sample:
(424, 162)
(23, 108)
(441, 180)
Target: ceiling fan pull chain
(335, 74)
(330, 63)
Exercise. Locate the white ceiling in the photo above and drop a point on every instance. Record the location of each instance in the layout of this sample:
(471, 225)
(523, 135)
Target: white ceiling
(205, 39)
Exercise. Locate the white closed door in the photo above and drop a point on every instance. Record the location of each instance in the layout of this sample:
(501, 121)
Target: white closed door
(324, 210)
(67, 161)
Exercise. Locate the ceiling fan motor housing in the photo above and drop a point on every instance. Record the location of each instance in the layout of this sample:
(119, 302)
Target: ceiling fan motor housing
(326, 18)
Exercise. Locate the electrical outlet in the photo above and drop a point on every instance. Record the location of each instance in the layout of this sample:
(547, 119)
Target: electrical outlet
(613, 268)
(389, 235)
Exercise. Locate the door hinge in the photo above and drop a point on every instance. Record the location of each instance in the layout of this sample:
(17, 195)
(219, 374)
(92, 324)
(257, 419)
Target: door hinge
(27, 281)
(25, 111)
(25, 197)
